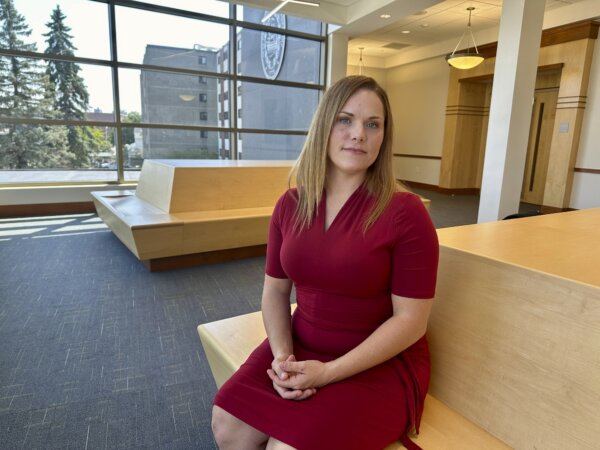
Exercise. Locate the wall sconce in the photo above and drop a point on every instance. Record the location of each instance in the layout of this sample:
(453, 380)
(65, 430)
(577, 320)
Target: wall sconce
(465, 60)
(187, 97)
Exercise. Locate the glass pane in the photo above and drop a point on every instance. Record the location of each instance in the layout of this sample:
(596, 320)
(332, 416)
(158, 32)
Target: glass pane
(169, 41)
(269, 146)
(89, 38)
(255, 15)
(55, 147)
(151, 143)
(212, 7)
(171, 98)
(271, 107)
(278, 57)
(77, 89)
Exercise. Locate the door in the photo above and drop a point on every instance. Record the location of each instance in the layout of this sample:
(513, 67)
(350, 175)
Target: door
(538, 149)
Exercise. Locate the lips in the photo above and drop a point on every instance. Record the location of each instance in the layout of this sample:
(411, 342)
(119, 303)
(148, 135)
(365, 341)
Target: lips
(354, 150)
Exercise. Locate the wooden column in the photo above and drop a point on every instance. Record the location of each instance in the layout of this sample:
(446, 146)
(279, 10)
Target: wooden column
(577, 58)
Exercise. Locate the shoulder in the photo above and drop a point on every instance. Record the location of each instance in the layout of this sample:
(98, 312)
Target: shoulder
(288, 199)
(407, 202)
(408, 213)
(286, 205)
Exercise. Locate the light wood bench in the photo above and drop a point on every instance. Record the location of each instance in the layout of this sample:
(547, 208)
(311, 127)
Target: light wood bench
(227, 343)
(514, 336)
(187, 211)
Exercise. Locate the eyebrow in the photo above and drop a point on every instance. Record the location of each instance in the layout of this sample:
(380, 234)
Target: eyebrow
(352, 115)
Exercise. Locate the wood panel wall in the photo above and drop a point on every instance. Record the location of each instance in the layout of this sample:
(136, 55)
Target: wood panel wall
(466, 116)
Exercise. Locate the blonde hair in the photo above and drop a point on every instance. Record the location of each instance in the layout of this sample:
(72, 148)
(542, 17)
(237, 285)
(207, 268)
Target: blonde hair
(311, 167)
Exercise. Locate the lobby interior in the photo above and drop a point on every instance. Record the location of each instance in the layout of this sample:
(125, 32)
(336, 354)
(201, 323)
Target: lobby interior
(99, 352)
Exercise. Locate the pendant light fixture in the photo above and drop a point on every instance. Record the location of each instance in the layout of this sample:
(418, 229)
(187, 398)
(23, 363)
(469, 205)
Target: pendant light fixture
(360, 61)
(468, 59)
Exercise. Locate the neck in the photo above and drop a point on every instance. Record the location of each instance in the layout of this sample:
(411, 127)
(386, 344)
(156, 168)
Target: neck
(338, 182)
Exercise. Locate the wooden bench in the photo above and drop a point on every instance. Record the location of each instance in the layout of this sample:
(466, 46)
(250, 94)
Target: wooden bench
(514, 336)
(185, 212)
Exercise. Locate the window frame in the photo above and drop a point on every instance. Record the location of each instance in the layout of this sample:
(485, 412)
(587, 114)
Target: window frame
(229, 56)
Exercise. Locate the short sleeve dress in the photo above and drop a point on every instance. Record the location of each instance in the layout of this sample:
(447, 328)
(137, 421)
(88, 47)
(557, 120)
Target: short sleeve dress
(343, 279)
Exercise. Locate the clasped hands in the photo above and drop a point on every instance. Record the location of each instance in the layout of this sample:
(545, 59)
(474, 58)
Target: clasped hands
(297, 380)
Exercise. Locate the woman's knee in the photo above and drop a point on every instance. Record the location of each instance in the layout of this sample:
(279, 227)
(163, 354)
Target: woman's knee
(229, 431)
(274, 444)
(222, 425)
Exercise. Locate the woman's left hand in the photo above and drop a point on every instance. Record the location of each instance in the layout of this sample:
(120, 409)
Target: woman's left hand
(303, 374)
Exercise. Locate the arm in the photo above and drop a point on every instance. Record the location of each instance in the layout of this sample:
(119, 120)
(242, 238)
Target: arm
(276, 318)
(407, 324)
(276, 315)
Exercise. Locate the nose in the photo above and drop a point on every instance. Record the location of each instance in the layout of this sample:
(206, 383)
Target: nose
(358, 132)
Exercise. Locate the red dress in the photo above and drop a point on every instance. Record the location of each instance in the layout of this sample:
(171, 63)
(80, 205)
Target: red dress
(343, 280)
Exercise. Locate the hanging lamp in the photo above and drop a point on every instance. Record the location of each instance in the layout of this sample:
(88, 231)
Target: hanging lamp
(465, 60)
(360, 61)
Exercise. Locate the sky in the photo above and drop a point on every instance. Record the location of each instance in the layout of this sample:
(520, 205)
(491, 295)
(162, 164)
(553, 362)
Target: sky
(88, 21)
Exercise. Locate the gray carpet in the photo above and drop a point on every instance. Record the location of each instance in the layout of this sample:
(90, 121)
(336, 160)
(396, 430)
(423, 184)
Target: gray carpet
(98, 353)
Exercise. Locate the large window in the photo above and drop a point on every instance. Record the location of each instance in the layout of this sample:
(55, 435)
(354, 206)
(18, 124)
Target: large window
(88, 100)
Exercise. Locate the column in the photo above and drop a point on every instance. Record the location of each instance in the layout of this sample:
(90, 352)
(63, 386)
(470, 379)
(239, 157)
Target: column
(510, 109)
(337, 57)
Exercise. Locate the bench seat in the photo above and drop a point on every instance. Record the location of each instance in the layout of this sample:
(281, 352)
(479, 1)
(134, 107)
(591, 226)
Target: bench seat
(228, 342)
(188, 207)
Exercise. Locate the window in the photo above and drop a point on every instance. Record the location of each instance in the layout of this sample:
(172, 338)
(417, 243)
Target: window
(160, 76)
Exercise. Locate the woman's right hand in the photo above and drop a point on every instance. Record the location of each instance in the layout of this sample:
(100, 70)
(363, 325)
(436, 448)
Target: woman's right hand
(276, 372)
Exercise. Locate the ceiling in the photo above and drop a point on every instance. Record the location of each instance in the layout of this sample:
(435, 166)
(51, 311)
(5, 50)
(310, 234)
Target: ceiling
(417, 23)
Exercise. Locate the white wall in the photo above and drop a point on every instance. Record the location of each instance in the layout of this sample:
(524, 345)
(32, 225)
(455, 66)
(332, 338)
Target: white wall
(586, 186)
(380, 75)
(418, 93)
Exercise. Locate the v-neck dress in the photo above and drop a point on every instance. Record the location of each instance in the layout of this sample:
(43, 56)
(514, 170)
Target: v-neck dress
(344, 279)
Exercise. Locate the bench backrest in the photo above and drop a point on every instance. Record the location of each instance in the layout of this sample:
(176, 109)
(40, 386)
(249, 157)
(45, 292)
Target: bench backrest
(177, 186)
(517, 350)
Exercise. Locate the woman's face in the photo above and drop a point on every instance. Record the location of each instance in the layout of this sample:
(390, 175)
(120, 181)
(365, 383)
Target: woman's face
(357, 133)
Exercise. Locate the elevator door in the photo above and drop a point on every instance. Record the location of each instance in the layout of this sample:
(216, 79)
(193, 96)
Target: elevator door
(538, 149)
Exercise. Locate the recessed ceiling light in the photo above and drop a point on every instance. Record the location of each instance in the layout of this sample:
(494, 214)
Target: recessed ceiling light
(424, 25)
(405, 32)
(385, 16)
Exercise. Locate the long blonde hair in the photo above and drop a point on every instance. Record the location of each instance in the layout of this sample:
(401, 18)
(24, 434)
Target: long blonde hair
(311, 167)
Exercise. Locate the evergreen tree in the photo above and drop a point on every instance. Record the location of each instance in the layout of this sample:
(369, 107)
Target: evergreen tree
(22, 94)
(71, 98)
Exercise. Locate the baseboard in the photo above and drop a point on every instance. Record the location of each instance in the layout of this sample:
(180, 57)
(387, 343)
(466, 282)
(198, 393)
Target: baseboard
(197, 259)
(441, 190)
(46, 209)
(553, 209)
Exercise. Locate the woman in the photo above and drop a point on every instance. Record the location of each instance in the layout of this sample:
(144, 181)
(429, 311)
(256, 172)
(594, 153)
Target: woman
(350, 370)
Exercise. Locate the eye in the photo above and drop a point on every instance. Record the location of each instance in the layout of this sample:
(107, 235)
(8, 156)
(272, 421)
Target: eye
(344, 120)
(373, 125)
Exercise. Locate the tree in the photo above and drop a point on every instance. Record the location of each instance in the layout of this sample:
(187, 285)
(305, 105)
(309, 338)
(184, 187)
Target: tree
(22, 94)
(71, 98)
(127, 132)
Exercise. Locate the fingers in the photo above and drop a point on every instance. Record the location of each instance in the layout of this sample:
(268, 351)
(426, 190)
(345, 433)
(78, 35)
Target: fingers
(292, 366)
(276, 366)
(290, 393)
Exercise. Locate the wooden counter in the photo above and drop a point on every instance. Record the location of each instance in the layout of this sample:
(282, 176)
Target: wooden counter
(515, 329)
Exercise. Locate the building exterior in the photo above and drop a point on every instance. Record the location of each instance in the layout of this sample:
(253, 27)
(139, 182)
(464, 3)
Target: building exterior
(179, 99)
(169, 98)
